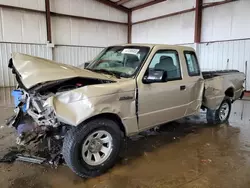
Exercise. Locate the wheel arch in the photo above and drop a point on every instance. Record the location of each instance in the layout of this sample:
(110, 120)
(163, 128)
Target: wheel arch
(111, 116)
(229, 92)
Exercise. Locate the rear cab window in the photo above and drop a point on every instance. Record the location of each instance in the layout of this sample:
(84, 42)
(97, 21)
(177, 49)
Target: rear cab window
(192, 63)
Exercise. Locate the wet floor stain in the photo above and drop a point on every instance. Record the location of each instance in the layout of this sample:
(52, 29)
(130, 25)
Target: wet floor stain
(188, 153)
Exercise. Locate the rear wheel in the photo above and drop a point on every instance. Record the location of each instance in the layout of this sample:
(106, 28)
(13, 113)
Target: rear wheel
(93, 148)
(221, 115)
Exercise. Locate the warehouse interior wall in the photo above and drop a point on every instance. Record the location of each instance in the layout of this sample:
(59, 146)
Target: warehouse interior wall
(225, 31)
(75, 39)
(167, 30)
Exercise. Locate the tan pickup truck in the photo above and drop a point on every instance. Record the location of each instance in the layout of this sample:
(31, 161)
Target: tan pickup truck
(126, 89)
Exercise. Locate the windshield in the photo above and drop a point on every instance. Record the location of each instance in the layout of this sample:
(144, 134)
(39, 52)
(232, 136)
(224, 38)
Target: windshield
(120, 60)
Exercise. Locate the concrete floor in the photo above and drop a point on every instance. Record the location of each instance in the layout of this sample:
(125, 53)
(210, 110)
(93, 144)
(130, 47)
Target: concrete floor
(187, 154)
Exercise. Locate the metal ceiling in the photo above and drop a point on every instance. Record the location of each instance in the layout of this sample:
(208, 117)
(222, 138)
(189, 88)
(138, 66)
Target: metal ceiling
(131, 3)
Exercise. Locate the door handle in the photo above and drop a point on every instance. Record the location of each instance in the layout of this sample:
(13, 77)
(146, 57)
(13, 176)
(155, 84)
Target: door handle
(182, 87)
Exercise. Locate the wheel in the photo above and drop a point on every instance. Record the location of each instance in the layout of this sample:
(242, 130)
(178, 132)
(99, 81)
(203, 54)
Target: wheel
(91, 149)
(221, 115)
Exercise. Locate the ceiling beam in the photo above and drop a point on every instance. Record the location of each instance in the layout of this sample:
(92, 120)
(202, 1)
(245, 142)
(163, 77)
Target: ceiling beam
(147, 4)
(114, 5)
(87, 18)
(206, 5)
(165, 16)
(121, 2)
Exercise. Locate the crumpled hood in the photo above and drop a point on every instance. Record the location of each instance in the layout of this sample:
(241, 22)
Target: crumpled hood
(34, 70)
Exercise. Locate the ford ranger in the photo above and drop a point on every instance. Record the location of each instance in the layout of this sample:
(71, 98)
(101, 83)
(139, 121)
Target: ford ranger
(125, 90)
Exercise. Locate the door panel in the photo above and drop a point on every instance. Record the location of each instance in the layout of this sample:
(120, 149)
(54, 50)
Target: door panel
(195, 93)
(161, 102)
(165, 101)
(196, 82)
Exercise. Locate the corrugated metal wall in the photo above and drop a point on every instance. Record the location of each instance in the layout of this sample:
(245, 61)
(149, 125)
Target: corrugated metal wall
(226, 55)
(166, 30)
(176, 29)
(88, 8)
(22, 26)
(25, 31)
(159, 9)
(72, 31)
(6, 77)
(31, 4)
(226, 22)
(75, 55)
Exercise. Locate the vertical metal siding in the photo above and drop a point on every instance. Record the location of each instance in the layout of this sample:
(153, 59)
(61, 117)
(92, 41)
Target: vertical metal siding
(226, 55)
(31, 4)
(159, 9)
(75, 55)
(88, 8)
(177, 29)
(6, 77)
(80, 32)
(225, 22)
(22, 26)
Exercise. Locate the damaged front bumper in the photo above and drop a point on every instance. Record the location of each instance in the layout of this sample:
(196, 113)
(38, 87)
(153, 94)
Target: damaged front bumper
(29, 132)
(30, 119)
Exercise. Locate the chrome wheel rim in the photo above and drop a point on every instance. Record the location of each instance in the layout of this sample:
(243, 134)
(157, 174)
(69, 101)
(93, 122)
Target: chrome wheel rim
(97, 148)
(224, 110)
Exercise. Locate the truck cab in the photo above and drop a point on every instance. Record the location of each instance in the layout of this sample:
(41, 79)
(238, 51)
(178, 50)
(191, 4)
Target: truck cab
(178, 92)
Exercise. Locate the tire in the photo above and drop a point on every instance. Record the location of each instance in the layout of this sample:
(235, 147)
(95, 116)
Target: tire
(78, 160)
(213, 116)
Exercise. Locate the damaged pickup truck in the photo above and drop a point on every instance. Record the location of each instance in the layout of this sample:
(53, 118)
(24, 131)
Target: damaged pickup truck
(125, 90)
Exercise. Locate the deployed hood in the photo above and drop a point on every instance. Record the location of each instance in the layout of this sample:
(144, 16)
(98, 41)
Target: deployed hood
(32, 70)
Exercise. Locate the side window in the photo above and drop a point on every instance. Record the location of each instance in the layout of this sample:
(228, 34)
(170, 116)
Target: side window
(192, 64)
(167, 60)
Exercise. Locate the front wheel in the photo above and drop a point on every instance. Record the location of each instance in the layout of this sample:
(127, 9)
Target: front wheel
(221, 115)
(93, 148)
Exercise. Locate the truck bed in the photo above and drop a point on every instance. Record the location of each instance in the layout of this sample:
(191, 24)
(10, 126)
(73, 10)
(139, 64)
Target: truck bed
(211, 74)
(220, 83)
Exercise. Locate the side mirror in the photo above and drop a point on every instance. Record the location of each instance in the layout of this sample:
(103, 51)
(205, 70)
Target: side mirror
(155, 76)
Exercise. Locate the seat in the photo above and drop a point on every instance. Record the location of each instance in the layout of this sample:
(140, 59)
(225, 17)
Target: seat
(166, 63)
(132, 61)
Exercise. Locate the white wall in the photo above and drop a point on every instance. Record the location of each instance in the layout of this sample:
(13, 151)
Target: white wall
(22, 26)
(30, 4)
(88, 8)
(159, 9)
(72, 31)
(76, 40)
(225, 22)
(226, 55)
(177, 29)
(75, 55)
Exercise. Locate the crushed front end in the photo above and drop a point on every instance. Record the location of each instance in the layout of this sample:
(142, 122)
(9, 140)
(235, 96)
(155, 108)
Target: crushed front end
(38, 81)
(32, 119)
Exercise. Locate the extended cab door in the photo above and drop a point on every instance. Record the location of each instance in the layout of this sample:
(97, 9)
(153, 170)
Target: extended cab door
(165, 101)
(195, 82)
